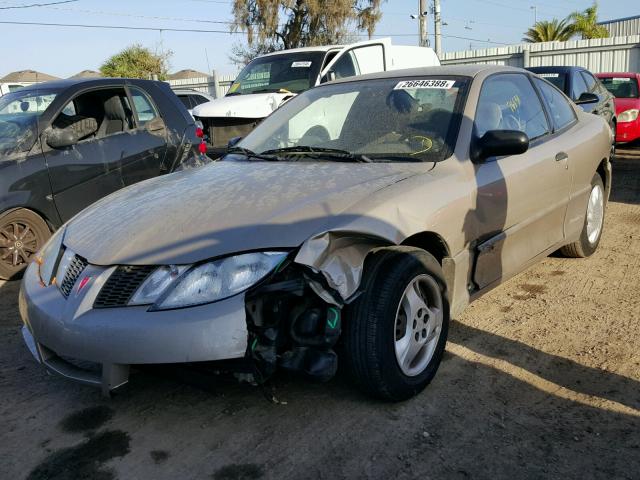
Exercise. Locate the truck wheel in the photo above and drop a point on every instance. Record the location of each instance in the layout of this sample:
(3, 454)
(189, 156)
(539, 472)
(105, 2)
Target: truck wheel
(589, 239)
(396, 330)
(22, 234)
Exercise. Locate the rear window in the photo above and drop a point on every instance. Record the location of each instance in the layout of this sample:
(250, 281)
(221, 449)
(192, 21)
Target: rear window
(621, 87)
(557, 79)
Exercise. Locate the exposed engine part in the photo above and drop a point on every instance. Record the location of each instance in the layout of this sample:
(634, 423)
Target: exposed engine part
(291, 326)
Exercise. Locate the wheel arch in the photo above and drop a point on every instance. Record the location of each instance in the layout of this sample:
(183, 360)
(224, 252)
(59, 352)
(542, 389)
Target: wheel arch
(431, 242)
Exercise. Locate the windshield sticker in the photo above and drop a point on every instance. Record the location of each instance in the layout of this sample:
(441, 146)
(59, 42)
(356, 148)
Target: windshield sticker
(301, 64)
(618, 79)
(234, 87)
(410, 84)
(549, 75)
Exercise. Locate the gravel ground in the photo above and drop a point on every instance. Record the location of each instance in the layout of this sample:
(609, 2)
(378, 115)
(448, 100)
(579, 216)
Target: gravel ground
(541, 379)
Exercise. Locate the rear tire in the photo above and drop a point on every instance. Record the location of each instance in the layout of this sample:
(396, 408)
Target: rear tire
(378, 324)
(593, 226)
(22, 234)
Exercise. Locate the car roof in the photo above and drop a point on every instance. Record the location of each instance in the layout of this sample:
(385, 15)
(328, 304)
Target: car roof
(618, 74)
(556, 69)
(88, 82)
(446, 70)
(320, 48)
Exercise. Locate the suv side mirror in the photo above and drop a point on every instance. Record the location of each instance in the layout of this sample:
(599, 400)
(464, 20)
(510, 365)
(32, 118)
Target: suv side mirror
(61, 138)
(587, 97)
(498, 143)
(233, 141)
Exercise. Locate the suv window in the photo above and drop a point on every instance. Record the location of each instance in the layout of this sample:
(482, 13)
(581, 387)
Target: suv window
(560, 109)
(345, 66)
(592, 84)
(145, 110)
(578, 86)
(185, 101)
(509, 102)
(198, 99)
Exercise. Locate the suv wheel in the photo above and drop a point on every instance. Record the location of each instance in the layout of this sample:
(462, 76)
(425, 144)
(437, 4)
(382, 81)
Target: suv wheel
(22, 234)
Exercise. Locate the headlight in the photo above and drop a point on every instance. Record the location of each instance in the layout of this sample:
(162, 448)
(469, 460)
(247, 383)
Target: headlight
(180, 286)
(628, 116)
(156, 283)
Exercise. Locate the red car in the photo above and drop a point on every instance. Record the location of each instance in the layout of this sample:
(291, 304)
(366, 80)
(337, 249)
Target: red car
(626, 88)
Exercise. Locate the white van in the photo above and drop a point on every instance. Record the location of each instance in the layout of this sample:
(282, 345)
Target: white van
(270, 80)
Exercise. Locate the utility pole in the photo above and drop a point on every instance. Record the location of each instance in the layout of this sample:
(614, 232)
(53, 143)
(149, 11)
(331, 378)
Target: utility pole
(437, 21)
(535, 14)
(424, 40)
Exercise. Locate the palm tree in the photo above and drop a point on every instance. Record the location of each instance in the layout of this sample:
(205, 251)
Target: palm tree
(549, 31)
(586, 23)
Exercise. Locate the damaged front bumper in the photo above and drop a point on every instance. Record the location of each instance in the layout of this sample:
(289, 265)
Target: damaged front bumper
(64, 334)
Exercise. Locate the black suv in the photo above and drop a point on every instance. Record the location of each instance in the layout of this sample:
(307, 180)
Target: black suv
(581, 86)
(68, 143)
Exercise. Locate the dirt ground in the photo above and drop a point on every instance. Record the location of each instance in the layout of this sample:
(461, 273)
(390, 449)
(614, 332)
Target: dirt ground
(541, 380)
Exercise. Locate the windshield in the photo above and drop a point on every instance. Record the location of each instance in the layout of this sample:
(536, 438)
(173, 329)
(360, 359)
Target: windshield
(383, 120)
(287, 72)
(19, 113)
(621, 87)
(558, 79)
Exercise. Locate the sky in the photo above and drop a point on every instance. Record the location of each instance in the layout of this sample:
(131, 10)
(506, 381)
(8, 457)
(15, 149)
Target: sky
(64, 51)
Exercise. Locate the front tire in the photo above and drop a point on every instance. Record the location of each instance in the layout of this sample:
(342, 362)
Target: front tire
(396, 330)
(593, 226)
(22, 234)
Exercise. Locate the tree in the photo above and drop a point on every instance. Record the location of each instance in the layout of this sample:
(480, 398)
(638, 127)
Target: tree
(586, 23)
(137, 61)
(549, 31)
(278, 24)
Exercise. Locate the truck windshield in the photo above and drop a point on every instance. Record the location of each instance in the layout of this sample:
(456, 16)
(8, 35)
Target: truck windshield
(285, 72)
(385, 120)
(19, 113)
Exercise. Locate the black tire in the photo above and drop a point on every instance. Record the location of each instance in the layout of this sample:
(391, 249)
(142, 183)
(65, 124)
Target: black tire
(35, 233)
(369, 336)
(583, 247)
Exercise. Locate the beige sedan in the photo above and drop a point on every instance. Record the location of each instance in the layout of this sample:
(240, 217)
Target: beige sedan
(363, 215)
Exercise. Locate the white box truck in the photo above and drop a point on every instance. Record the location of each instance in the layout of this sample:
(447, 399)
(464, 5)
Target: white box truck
(270, 80)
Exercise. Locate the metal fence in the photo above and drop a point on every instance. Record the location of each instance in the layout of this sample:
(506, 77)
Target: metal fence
(215, 85)
(615, 54)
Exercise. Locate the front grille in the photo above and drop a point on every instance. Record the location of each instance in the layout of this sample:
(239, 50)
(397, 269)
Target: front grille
(76, 266)
(121, 286)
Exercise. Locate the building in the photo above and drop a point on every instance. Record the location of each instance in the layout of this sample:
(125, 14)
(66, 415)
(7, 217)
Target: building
(622, 27)
(15, 80)
(87, 74)
(186, 75)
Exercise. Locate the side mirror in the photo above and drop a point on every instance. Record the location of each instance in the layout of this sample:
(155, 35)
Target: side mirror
(233, 142)
(61, 137)
(329, 77)
(498, 143)
(587, 97)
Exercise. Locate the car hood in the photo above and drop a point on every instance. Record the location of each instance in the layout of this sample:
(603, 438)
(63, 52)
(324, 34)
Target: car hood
(624, 104)
(223, 208)
(255, 105)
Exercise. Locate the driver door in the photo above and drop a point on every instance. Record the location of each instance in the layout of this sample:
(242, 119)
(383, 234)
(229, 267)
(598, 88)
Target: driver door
(90, 169)
(521, 200)
(358, 59)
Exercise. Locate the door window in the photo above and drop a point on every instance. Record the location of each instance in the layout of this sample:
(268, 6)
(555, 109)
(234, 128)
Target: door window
(509, 102)
(592, 84)
(578, 86)
(144, 107)
(198, 99)
(345, 66)
(561, 111)
(96, 114)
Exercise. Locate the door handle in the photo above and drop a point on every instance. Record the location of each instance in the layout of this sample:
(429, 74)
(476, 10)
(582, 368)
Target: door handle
(561, 156)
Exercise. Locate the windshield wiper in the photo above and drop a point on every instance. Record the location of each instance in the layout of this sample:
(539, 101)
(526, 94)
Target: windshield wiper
(251, 154)
(334, 154)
